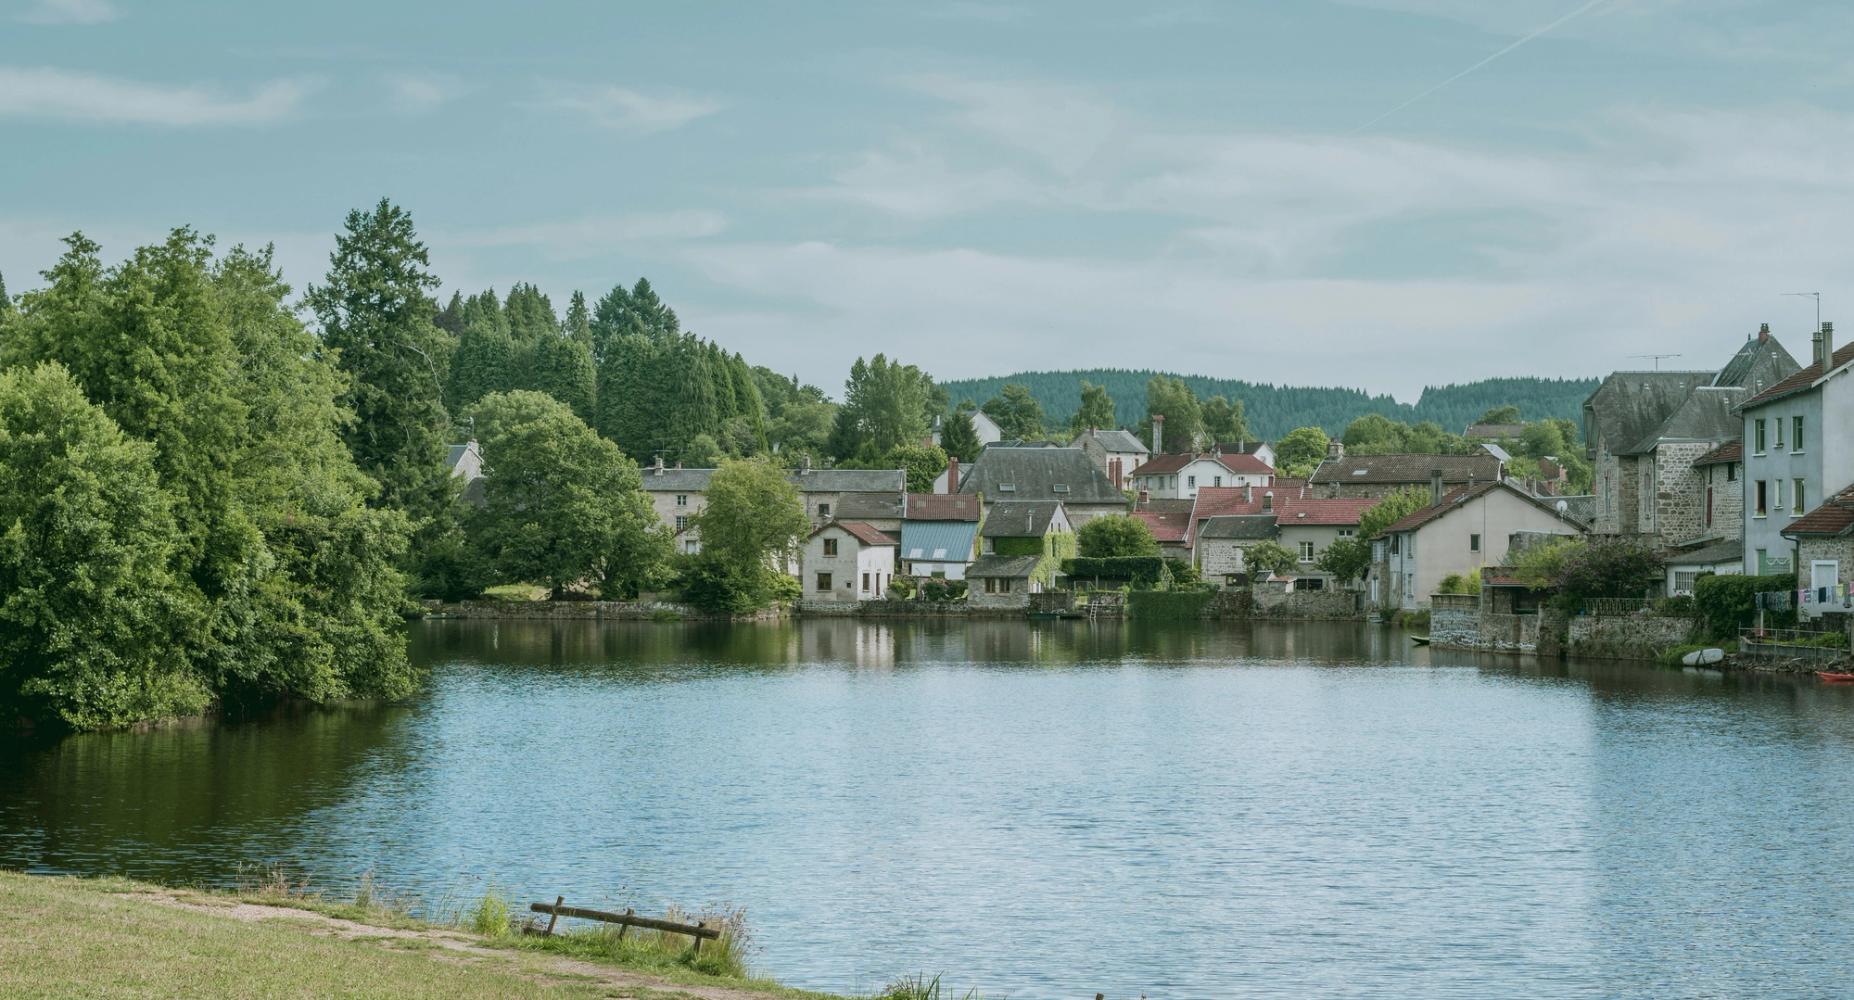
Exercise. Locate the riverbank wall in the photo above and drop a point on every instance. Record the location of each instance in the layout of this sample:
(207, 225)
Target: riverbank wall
(1464, 621)
(630, 611)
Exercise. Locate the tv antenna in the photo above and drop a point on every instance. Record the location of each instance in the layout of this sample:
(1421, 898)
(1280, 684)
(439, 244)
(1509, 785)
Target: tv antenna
(1817, 296)
(1658, 358)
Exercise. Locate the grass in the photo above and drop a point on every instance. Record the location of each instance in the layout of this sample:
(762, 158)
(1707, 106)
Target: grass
(114, 937)
(515, 592)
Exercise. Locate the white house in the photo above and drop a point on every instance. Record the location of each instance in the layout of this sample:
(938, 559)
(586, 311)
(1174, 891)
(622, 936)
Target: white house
(1463, 531)
(1179, 477)
(986, 429)
(844, 562)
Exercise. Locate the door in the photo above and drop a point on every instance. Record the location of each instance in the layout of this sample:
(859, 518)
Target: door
(1823, 575)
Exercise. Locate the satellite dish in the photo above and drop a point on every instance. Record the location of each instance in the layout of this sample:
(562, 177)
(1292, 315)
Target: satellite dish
(1563, 507)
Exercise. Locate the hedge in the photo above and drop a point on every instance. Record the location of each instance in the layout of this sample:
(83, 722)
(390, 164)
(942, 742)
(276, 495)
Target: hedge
(1167, 605)
(1729, 603)
(1140, 571)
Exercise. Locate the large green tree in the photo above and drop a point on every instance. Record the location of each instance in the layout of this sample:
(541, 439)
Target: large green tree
(1016, 412)
(1116, 535)
(1184, 418)
(562, 506)
(750, 526)
(1300, 451)
(1224, 421)
(1096, 411)
(562, 367)
(1391, 509)
(886, 403)
(87, 602)
(376, 316)
(957, 435)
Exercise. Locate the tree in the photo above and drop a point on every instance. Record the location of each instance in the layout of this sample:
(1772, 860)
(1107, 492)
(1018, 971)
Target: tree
(1541, 439)
(750, 527)
(1616, 566)
(1097, 410)
(562, 367)
(561, 505)
(1347, 559)
(86, 598)
(1507, 414)
(578, 323)
(923, 464)
(1114, 535)
(1392, 509)
(702, 452)
(1223, 420)
(1017, 413)
(1300, 451)
(957, 435)
(1268, 558)
(885, 403)
(1374, 434)
(1184, 419)
(485, 357)
(376, 311)
(6, 302)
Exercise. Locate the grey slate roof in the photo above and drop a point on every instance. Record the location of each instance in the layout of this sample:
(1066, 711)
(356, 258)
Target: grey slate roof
(1018, 519)
(868, 506)
(676, 480)
(1629, 406)
(1718, 552)
(1378, 469)
(808, 481)
(1239, 526)
(1065, 474)
(1760, 364)
(1116, 440)
(1705, 415)
(457, 452)
(938, 541)
(1013, 567)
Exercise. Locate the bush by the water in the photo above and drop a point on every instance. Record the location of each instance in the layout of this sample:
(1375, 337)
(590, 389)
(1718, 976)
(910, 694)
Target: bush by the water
(1140, 572)
(1167, 605)
(1729, 603)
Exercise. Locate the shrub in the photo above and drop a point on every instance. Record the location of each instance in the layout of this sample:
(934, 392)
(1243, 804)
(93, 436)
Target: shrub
(491, 916)
(1116, 535)
(1462, 583)
(1608, 567)
(1729, 603)
(1167, 605)
(900, 588)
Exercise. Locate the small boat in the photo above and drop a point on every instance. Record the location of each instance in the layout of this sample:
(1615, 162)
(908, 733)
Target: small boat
(1836, 676)
(1703, 657)
(1420, 640)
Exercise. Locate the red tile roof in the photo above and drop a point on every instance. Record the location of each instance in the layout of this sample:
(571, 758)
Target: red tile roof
(1167, 525)
(942, 507)
(1730, 451)
(1289, 507)
(1165, 464)
(1802, 380)
(1835, 517)
(862, 531)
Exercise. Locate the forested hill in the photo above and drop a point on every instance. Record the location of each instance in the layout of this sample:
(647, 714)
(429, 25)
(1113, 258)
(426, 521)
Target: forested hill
(1273, 410)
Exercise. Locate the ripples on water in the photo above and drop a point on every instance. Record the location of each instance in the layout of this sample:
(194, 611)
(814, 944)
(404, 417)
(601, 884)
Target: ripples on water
(1045, 811)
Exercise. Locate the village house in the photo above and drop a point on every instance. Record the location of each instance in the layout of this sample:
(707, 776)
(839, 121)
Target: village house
(1261, 450)
(678, 494)
(1378, 476)
(1643, 432)
(1023, 544)
(465, 462)
(1224, 540)
(1229, 521)
(1824, 540)
(1493, 432)
(1170, 524)
(1004, 474)
(1179, 477)
(1461, 531)
(1797, 447)
(1715, 490)
(939, 535)
(844, 562)
(983, 427)
(1684, 568)
(1115, 452)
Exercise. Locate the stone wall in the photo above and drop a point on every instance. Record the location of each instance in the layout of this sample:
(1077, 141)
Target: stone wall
(1841, 550)
(1606, 480)
(1728, 500)
(1231, 604)
(1455, 623)
(1680, 491)
(601, 610)
(1625, 637)
(1301, 605)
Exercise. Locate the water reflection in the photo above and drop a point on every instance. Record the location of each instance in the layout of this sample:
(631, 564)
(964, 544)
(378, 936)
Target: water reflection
(1319, 809)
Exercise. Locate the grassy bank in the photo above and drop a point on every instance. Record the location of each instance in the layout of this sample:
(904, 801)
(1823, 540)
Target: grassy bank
(67, 937)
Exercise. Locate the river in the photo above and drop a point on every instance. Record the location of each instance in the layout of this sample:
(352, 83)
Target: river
(1042, 810)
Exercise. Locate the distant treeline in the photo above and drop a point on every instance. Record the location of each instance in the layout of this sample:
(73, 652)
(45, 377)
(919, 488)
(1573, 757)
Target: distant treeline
(1273, 410)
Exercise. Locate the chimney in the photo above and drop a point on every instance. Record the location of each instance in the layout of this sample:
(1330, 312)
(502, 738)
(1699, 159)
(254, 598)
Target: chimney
(656, 468)
(1435, 487)
(1268, 502)
(1145, 497)
(1335, 450)
(1763, 332)
(1248, 493)
(1828, 347)
(952, 474)
(804, 464)
(1158, 434)
(1113, 472)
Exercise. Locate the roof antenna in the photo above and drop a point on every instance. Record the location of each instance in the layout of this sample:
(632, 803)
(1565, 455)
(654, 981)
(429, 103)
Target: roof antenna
(1818, 303)
(1657, 358)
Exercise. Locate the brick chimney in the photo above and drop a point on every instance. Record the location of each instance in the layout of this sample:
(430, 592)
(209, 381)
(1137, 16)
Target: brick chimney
(656, 468)
(1268, 502)
(1158, 434)
(1335, 450)
(1435, 487)
(952, 474)
(1763, 332)
(1113, 472)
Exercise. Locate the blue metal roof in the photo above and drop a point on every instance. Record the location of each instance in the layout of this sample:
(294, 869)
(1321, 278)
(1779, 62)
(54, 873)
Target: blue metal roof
(938, 541)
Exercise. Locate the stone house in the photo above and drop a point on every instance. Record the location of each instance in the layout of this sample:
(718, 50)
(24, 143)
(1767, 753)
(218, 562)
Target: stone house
(1170, 524)
(1115, 452)
(1179, 477)
(1723, 558)
(1722, 498)
(465, 462)
(1824, 540)
(1003, 582)
(939, 535)
(1797, 446)
(1224, 540)
(1378, 476)
(1463, 530)
(1304, 525)
(1022, 545)
(1064, 476)
(844, 562)
(678, 494)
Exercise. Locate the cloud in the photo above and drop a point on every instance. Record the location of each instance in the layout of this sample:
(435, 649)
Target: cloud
(71, 12)
(419, 92)
(590, 235)
(912, 181)
(1064, 127)
(44, 92)
(631, 110)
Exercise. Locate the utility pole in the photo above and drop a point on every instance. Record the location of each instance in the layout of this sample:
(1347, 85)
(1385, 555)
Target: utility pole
(1817, 296)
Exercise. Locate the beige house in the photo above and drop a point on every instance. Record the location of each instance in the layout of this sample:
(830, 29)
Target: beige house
(1465, 530)
(678, 494)
(844, 562)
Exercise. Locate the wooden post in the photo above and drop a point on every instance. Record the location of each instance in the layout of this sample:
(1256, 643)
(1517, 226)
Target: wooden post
(698, 940)
(555, 915)
(625, 927)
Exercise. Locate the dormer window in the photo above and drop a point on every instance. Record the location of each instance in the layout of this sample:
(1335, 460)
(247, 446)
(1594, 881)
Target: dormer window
(1007, 487)
(1059, 488)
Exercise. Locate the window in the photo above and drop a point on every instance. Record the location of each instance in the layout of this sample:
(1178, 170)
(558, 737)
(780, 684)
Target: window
(1796, 435)
(830, 546)
(1395, 543)
(1216, 480)
(1684, 580)
(1797, 507)
(991, 586)
(1309, 583)
(1190, 482)
(1306, 552)
(865, 583)
(1708, 506)
(1731, 472)
(1474, 543)
(1757, 436)
(1763, 562)
(1779, 423)
(823, 510)
(691, 546)
(1004, 586)
(1348, 533)
(682, 499)
(1776, 494)
(682, 521)
(823, 582)
(1761, 491)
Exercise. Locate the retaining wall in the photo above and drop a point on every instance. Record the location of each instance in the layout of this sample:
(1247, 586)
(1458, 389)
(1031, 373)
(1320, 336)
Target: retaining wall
(602, 610)
(1625, 637)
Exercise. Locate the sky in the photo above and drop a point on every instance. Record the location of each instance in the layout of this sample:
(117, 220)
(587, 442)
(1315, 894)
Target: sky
(1261, 190)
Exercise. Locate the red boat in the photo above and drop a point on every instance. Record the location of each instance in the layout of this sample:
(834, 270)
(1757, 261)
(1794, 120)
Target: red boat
(1835, 676)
